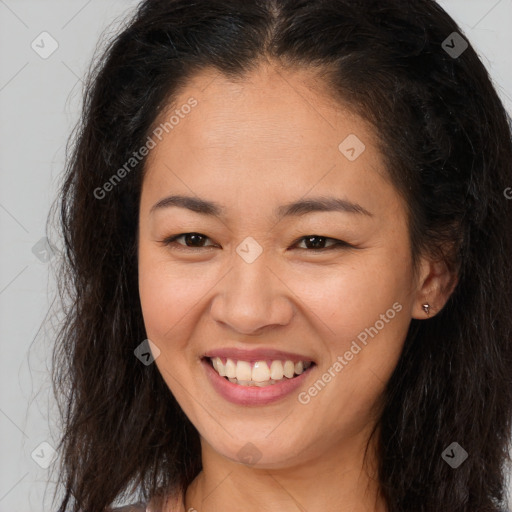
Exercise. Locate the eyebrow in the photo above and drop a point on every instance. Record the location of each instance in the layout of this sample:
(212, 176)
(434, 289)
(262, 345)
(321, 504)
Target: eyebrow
(296, 209)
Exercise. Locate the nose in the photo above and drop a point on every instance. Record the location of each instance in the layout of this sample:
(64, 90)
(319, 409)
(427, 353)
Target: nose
(252, 297)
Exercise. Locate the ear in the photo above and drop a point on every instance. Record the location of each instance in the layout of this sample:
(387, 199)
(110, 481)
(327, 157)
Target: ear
(436, 282)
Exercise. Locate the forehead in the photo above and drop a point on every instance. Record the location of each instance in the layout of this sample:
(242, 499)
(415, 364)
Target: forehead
(271, 128)
(282, 107)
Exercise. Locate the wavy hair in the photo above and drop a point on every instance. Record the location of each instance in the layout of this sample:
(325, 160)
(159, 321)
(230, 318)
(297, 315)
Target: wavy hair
(446, 139)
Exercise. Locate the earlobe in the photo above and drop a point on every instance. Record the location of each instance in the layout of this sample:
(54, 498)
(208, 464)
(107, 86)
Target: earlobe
(436, 284)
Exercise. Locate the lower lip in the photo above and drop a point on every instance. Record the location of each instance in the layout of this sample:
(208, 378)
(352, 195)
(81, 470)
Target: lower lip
(253, 395)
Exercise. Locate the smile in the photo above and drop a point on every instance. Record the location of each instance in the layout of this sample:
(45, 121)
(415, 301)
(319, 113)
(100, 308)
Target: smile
(258, 373)
(255, 385)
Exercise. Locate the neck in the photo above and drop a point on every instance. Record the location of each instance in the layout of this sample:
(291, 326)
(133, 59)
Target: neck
(341, 480)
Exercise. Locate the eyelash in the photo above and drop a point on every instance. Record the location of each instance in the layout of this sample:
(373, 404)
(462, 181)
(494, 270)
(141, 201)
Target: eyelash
(340, 244)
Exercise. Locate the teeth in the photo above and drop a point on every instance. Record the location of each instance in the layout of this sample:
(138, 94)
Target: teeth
(276, 370)
(260, 371)
(289, 369)
(263, 384)
(217, 364)
(258, 374)
(230, 368)
(253, 383)
(243, 371)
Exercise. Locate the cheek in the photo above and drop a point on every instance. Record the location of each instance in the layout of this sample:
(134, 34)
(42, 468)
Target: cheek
(168, 294)
(348, 298)
(361, 317)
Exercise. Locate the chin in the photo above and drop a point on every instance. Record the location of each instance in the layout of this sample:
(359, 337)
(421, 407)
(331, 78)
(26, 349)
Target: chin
(260, 452)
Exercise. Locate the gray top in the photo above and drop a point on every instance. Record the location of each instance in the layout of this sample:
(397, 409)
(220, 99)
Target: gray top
(154, 506)
(141, 507)
(135, 507)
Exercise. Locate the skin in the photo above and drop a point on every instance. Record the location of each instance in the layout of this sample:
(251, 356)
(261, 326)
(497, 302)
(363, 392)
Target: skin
(252, 146)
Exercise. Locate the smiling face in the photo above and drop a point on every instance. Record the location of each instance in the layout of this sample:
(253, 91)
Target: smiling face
(259, 275)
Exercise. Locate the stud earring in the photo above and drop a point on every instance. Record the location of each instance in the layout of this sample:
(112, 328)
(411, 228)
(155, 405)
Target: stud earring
(426, 308)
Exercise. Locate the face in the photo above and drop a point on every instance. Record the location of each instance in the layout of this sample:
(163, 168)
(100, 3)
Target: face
(260, 281)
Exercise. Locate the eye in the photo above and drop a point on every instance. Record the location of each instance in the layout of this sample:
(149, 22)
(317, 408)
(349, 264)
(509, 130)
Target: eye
(314, 243)
(196, 240)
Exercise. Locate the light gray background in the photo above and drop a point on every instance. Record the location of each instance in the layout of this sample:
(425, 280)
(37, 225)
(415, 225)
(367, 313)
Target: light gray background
(40, 101)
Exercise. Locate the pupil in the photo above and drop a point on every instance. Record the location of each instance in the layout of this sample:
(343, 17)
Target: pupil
(193, 237)
(318, 238)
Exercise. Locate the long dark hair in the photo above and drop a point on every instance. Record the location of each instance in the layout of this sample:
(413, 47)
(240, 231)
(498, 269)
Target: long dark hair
(446, 138)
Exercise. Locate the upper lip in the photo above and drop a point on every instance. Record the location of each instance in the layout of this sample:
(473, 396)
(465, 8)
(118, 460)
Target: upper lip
(260, 354)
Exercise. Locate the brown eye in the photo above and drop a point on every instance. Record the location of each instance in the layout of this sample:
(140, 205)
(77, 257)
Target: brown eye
(192, 240)
(317, 243)
(313, 243)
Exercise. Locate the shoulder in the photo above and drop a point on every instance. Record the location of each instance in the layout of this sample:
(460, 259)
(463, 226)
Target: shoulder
(159, 502)
(135, 507)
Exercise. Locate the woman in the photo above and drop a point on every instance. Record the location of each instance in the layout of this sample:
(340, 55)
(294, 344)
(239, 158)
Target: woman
(288, 241)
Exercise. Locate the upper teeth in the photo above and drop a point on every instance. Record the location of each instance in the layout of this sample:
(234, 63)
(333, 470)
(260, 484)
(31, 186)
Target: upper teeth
(258, 371)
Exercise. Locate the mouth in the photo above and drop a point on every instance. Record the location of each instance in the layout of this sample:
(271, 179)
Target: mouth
(259, 373)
